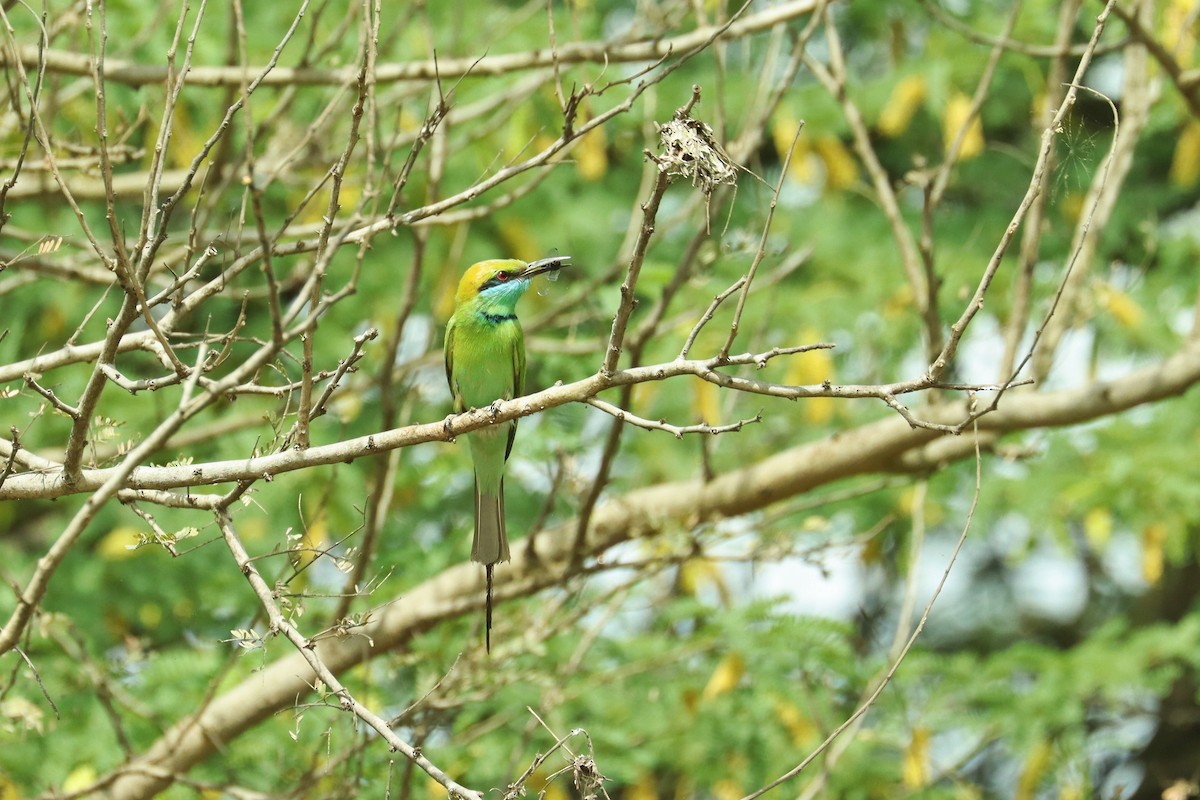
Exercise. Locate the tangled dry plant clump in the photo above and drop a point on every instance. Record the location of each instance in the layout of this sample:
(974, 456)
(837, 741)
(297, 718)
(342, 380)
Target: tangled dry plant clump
(690, 151)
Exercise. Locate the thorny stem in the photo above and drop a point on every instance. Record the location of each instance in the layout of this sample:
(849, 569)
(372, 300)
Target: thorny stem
(311, 653)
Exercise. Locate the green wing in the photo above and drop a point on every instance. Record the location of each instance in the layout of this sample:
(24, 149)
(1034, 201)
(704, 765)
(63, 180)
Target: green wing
(518, 351)
(449, 356)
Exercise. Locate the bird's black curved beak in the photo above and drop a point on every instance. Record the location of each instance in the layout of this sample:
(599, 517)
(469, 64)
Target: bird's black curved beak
(545, 265)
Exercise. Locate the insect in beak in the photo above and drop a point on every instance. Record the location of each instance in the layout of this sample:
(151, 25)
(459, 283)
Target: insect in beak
(545, 265)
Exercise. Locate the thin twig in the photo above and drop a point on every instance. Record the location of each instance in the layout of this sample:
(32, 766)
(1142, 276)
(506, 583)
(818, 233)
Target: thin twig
(761, 253)
(678, 431)
(346, 365)
(37, 676)
(866, 705)
(707, 316)
(49, 394)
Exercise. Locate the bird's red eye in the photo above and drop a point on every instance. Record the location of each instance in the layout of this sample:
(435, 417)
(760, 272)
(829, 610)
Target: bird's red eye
(502, 276)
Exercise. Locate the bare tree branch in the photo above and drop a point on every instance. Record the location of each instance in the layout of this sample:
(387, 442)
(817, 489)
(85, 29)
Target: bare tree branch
(566, 53)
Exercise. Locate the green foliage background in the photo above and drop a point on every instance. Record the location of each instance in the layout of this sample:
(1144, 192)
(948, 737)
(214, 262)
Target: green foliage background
(689, 682)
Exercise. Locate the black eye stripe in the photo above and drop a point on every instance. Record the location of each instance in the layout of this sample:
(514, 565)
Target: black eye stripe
(497, 279)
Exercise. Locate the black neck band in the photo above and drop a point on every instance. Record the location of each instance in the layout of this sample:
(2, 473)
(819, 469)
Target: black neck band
(496, 319)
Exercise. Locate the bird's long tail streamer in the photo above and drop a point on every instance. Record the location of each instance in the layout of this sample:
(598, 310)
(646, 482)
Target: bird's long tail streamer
(488, 621)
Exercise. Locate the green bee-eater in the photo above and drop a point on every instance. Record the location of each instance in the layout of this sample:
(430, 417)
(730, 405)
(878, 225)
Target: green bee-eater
(485, 362)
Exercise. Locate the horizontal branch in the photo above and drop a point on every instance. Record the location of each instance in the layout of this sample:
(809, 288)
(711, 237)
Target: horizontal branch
(1172, 377)
(73, 354)
(54, 484)
(134, 74)
(873, 448)
(123, 185)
